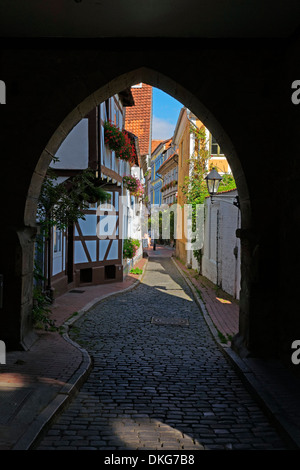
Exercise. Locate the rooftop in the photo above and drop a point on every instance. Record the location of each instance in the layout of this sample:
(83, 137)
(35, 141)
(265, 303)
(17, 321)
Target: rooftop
(138, 118)
(168, 160)
(167, 142)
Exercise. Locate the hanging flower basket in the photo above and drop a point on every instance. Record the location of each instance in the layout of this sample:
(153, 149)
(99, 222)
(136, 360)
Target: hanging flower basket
(133, 185)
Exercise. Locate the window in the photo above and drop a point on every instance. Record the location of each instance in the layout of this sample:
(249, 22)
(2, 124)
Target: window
(215, 148)
(116, 116)
(152, 172)
(57, 240)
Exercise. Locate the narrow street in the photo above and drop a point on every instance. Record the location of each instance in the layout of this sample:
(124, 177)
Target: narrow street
(159, 380)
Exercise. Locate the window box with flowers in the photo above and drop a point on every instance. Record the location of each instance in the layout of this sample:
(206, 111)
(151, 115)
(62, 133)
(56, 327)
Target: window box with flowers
(113, 137)
(127, 151)
(119, 141)
(133, 185)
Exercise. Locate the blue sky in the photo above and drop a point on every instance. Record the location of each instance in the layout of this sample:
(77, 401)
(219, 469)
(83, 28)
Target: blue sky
(165, 114)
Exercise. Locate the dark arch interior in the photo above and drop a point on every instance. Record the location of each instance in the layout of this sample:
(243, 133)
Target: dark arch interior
(53, 89)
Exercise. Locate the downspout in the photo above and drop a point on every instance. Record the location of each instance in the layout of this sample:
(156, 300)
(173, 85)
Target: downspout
(98, 137)
(236, 259)
(217, 247)
(190, 262)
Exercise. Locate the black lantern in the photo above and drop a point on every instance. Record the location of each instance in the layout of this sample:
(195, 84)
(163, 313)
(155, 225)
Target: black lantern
(213, 180)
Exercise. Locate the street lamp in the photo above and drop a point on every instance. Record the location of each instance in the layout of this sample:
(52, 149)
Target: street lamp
(213, 180)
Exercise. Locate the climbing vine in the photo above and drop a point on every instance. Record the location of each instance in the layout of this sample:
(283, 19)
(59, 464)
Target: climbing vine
(194, 187)
(59, 205)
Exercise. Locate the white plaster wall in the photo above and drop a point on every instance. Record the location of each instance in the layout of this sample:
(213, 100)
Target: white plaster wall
(230, 264)
(73, 152)
(221, 254)
(209, 264)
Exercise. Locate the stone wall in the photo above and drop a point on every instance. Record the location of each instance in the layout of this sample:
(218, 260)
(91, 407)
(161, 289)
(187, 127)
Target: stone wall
(51, 85)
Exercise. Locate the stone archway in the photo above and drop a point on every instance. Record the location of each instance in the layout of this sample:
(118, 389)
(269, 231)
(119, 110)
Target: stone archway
(167, 85)
(51, 90)
(188, 99)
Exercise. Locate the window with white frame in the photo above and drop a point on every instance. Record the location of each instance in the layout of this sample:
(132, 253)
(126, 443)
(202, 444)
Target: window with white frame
(57, 240)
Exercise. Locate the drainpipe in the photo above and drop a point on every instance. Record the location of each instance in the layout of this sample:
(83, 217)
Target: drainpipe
(49, 264)
(98, 130)
(154, 241)
(217, 247)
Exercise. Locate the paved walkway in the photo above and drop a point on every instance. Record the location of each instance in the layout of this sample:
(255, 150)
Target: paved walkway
(37, 384)
(159, 381)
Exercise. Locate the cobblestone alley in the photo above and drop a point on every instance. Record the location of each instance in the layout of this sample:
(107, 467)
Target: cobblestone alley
(159, 380)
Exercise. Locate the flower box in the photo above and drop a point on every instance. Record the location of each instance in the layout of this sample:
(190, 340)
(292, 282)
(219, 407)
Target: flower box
(119, 141)
(113, 137)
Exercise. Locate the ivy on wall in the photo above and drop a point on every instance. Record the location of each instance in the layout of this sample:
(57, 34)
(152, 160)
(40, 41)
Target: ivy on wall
(194, 187)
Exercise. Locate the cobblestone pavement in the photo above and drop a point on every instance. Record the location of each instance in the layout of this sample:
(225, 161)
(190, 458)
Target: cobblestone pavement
(159, 380)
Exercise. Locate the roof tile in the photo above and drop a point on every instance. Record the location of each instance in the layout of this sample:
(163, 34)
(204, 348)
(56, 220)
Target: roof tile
(138, 118)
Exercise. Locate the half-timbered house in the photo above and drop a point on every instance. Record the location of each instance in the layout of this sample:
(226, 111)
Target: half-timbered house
(90, 251)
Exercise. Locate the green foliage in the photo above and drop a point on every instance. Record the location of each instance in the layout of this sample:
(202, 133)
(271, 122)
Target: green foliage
(63, 204)
(136, 271)
(166, 223)
(224, 338)
(194, 187)
(130, 248)
(227, 183)
(41, 310)
(60, 205)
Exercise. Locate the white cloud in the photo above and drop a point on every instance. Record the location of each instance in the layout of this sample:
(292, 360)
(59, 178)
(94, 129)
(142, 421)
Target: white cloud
(162, 129)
